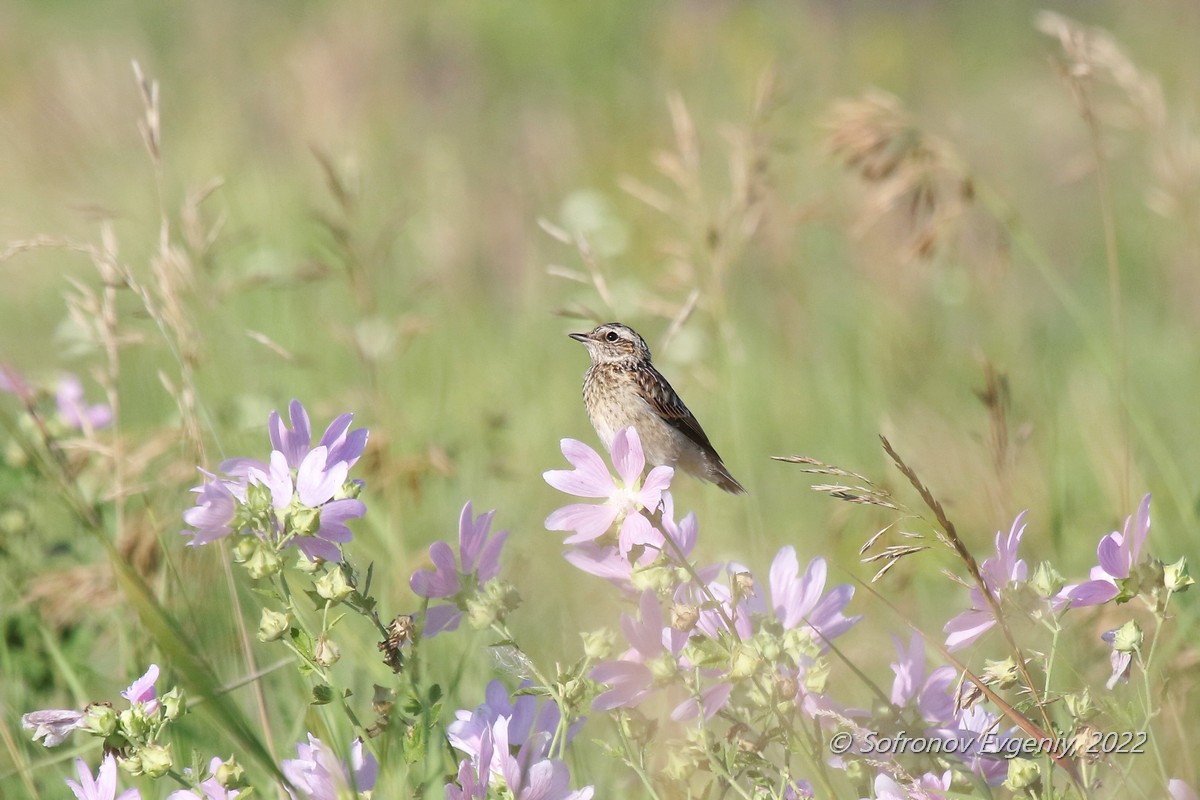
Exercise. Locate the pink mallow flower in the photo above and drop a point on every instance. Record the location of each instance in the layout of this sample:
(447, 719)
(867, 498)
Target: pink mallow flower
(609, 562)
(999, 572)
(318, 774)
(316, 483)
(929, 787)
(103, 786)
(74, 410)
(517, 770)
(297, 477)
(1180, 790)
(341, 443)
(623, 501)
(934, 701)
(1117, 553)
(654, 653)
(799, 602)
(478, 562)
(53, 726)
(531, 723)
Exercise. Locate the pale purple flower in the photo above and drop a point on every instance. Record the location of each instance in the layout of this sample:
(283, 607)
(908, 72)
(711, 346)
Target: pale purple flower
(798, 790)
(933, 699)
(1117, 554)
(295, 475)
(617, 566)
(798, 601)
(316, 483)
(887, 788)
(1121, 661)
(478, 562)
(714, 598)
(981, 744)
(52, 726)
(103, 786)
(999, 572)
(142, 692)
(318, 774)
(623, 501)
(74, 411)
(473, 778)
(629, 678)
(712, 699)
(524, 774)
(343, 445)
(490, 734)
(1180, 790)
(212, 516)
(530, 722)
(209, 788)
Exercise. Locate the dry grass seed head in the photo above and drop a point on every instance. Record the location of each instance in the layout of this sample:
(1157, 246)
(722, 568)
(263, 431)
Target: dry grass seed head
(916, 182)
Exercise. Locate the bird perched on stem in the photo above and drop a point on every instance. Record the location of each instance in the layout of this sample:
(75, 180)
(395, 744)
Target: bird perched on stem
(622, 389)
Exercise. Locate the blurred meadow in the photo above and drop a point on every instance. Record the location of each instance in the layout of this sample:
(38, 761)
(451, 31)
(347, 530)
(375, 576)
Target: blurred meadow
(830, 221)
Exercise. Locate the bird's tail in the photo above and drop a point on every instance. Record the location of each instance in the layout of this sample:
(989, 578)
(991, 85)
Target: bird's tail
(721, 477)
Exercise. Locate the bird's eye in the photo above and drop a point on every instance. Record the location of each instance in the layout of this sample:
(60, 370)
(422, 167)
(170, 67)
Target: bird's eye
(611, 336)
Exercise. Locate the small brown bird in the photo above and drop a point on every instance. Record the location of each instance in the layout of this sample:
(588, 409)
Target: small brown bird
(622, 389)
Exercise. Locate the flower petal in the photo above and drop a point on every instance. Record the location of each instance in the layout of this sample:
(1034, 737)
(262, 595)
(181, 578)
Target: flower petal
(587, 521)
(627, 456)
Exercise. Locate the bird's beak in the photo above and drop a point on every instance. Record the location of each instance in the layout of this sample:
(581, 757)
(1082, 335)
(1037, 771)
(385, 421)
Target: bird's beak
(579, 337)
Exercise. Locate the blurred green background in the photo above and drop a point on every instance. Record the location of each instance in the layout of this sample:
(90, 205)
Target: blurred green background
(383, 169)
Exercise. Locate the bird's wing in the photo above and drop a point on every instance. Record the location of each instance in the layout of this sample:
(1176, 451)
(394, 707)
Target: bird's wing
(656, 391)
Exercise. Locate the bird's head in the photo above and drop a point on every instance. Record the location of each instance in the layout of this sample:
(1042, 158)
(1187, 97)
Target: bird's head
(614, 343)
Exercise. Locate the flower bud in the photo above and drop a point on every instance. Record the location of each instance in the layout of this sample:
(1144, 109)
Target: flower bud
(245, 547)
(816, 676)
(1080, 705)
(333, 585)
(1127, 638)
(1001, 673)
(1023, 774)
(327, 653)
(769, 647)
(263, 563)
(304, 521)
(231, 775)
(599, 644)
(258, 499)
(744, 662)
(156, 760)
(309, 566)
(272, 625)
(1046, 580)
(100, 719)
(657, 579)
(480, 613)
(350, 490)
(664, 667)
(1175, 576)
(133, 723)
(173, 704)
